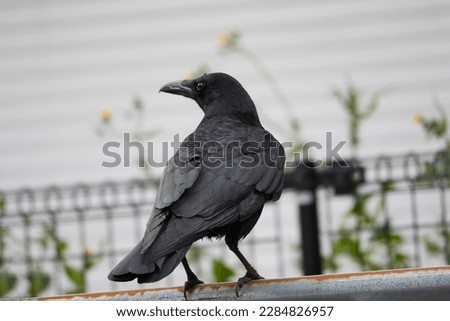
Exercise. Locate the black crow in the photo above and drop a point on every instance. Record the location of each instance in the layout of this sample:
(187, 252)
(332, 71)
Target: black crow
(214, 186)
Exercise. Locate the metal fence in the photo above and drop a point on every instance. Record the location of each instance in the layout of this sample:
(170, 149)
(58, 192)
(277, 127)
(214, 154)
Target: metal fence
(63, 239)
(394, 215)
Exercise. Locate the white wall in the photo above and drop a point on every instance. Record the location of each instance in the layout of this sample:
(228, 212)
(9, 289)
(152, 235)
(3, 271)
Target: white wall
(61, 61)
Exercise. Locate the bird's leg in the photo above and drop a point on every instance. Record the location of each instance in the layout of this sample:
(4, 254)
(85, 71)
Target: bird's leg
(192, 279)
(251, 272)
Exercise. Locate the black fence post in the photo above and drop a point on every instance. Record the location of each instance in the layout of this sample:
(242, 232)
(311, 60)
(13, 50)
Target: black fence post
(309, 227)
(304, 180)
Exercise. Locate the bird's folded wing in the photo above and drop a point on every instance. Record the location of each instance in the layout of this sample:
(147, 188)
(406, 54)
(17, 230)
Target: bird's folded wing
(198, 190)
(229, 182)
(272, 168)
(179, 174)
(258, 163)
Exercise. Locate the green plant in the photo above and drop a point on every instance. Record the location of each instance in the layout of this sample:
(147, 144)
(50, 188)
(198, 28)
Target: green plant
(438, 243)
(437, 170)
(135, 115)
(75, 275)
(364, 236)
(8, 280)
(381, 247)
(38, 281)
(351, 100)
(436, 128)
(220, 270)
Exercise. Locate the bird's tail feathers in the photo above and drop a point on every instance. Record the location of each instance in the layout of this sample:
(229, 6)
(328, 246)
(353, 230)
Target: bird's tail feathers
(136, 265)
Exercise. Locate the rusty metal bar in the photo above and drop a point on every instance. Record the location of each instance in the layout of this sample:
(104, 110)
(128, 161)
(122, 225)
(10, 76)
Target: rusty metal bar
(403, 284)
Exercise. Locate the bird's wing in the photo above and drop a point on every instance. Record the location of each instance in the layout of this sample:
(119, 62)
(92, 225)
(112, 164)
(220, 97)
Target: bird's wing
(272, 169)
(212, 203)
(214, 194)
(230, 174)
(179, 174)
(259, 162)
(232, 191)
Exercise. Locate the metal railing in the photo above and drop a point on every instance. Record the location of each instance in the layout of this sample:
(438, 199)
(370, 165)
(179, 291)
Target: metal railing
(380, 213)
(398, 285)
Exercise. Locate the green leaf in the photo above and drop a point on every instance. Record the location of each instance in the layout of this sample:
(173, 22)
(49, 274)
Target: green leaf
(2, 204)
(195, 253)
(60, 247)
(374, 102)
(76, 290)
(221, 271)
(432, 247)
(8, 282)
(38, 282)
(330, 263)
(400, 261)
(74, 275)
(89, 261)
(387, 186)
(297, 148)
(346, 244)
(350, 99)
(359, 210)
(3, 234)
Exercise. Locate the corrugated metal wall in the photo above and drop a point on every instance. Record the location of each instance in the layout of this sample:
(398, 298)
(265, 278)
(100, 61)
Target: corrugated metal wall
(61, 61)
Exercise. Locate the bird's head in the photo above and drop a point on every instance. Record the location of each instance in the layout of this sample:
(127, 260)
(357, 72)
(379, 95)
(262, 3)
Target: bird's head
(215, 93)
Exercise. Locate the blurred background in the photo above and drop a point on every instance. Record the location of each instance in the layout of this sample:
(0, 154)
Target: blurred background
(76, 75)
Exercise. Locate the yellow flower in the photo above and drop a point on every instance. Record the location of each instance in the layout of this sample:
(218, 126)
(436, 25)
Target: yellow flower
(105, 114)
(87, 251)
(223, 40)
(416, 118)
(188, 75)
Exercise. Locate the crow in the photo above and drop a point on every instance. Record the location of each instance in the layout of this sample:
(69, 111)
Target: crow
(215, 185)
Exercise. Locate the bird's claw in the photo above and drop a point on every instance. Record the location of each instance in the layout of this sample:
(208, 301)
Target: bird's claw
(189, 285)
(245, 279)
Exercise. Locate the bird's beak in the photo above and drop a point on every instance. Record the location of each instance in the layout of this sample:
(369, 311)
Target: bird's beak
(180, 87)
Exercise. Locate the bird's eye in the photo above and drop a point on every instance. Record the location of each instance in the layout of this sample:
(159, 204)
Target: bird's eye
(200, 86)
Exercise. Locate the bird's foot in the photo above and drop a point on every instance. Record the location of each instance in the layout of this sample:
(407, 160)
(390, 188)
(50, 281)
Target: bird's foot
(245, 279)
(189, 285)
